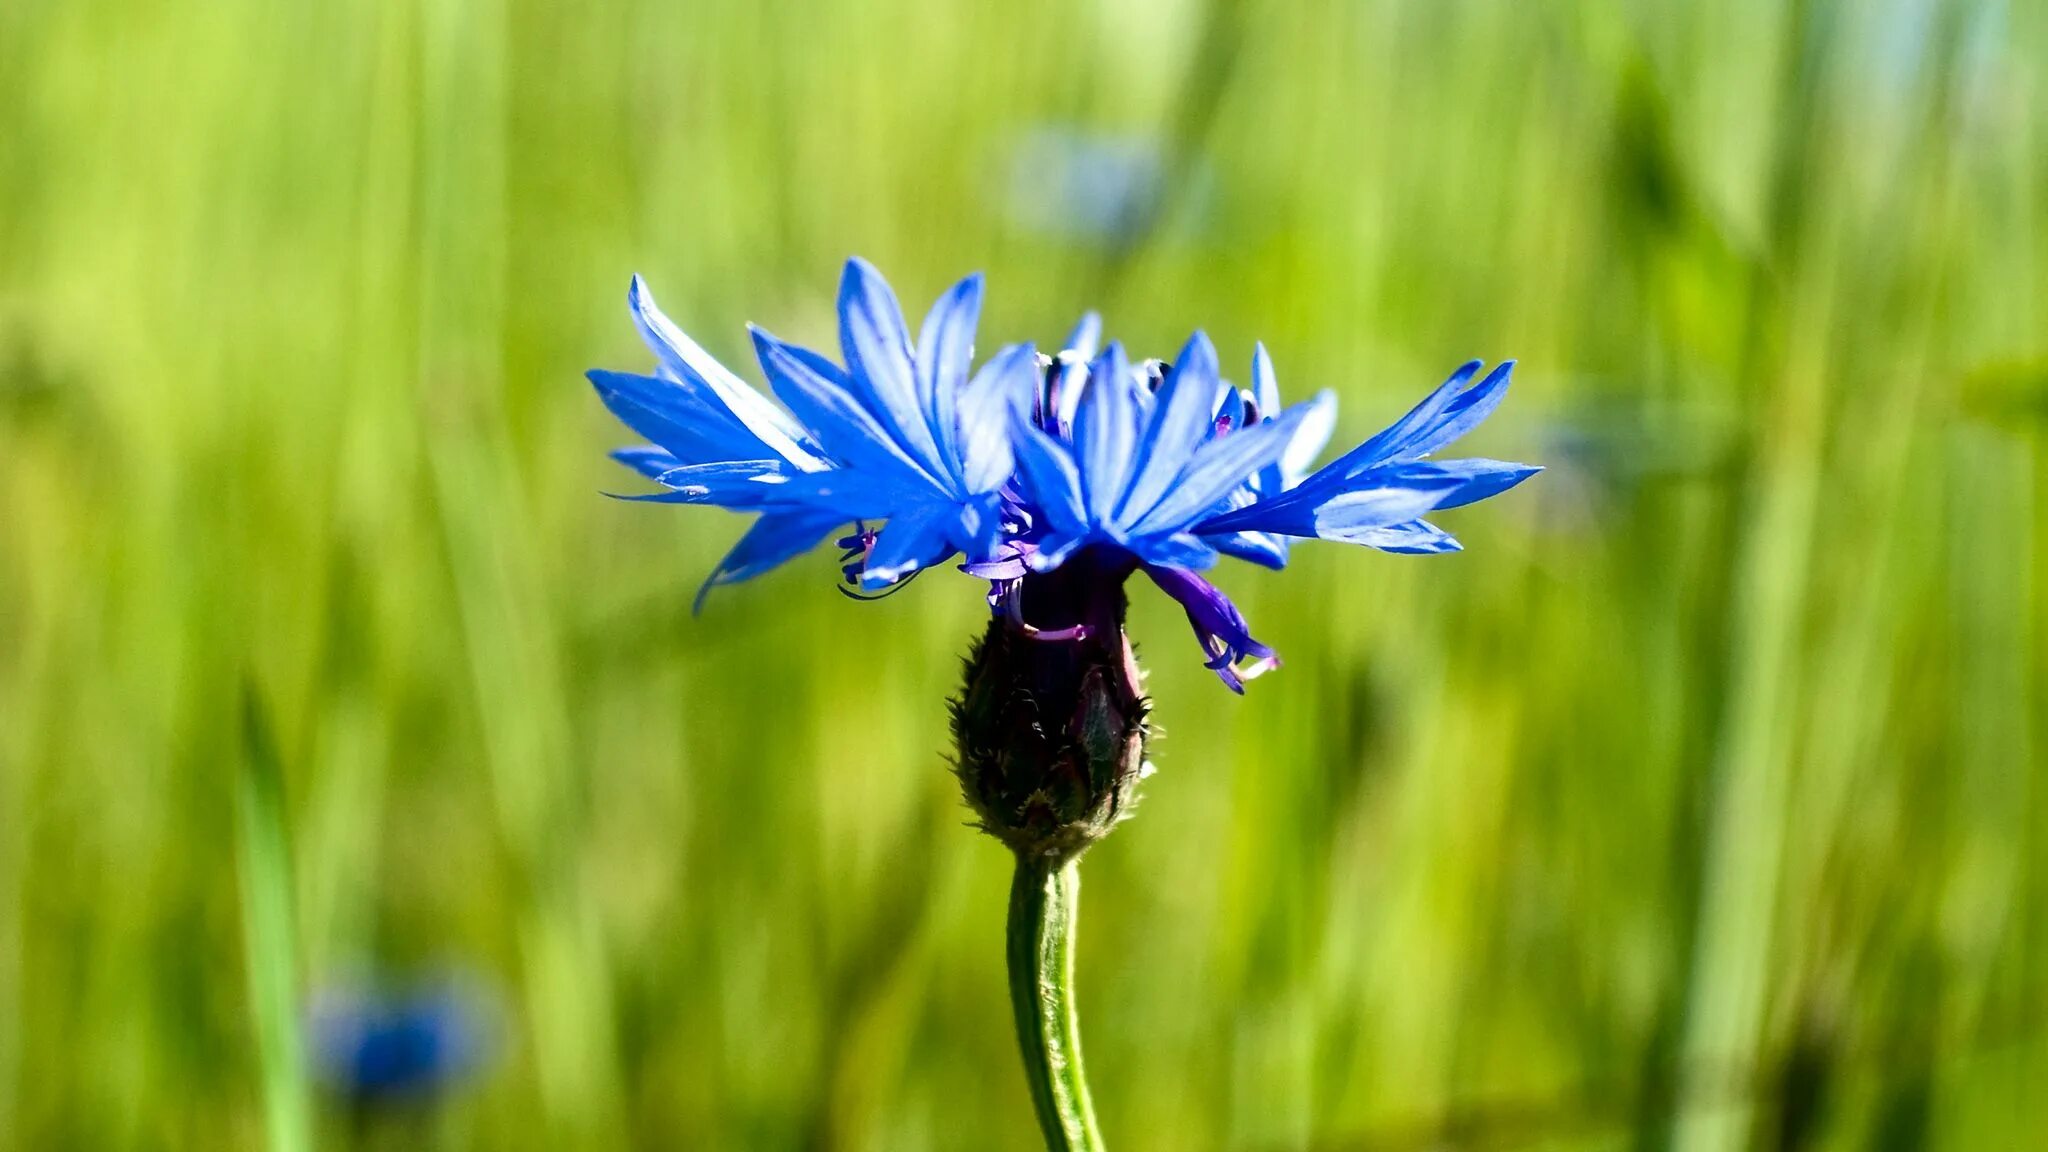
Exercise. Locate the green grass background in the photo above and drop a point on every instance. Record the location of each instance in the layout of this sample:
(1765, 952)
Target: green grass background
(1698, 806)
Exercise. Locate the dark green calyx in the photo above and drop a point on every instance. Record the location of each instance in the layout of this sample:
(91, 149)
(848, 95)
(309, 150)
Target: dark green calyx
(1050, 723)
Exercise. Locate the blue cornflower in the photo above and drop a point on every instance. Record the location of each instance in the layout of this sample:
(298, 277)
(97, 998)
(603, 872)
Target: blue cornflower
(372, 1047)
(900, 434)
(1081, 463)
(1057, 478)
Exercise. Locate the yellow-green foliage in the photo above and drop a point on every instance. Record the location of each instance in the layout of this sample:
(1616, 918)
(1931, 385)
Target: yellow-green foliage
(1698, 804)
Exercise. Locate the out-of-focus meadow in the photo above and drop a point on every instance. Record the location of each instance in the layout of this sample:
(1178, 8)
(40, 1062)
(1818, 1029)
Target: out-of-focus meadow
(1698, 805)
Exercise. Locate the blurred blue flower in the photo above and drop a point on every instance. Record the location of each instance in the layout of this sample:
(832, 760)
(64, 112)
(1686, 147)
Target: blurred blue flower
(373, 1047)
(1081, 185)
(1083, 459)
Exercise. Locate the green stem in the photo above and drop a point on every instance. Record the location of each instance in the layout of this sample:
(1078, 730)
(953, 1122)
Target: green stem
(1043, 900)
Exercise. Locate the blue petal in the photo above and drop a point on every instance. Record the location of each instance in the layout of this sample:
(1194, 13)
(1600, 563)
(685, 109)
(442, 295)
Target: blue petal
(647, 460)
(681, 355)
(997, 399)
(818, 392)
(1262, 548)
(911, 540)
(1338, 517)
(1105, 433)
(1462, 415)
(1443, 416)
(1414, 537)
(1375, 498)
(1179, 550)
(1086, 335)
(878, 362)
(1221, 465)
(1265, 387)
(774, 538)
(1071, 377)
(852, 493)
(1050, 478)
(945, 347)
(1381, 447)
(1054, 549)
(1181, 421)
(689, 422)
(1483, 478)
(729, 484)
(979, 529)
(1141, 400)
(1309, 439)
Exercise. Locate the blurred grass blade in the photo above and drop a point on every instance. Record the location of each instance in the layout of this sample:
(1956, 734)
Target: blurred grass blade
(270, 941)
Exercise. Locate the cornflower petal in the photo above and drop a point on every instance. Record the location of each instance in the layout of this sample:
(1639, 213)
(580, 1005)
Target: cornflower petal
(1461, 415)
(682, 355)
(978, 529)
(1181, 420)
(854, 494)
(1219, 466)
(1443, 416)
(1384, 496)
(1048, 470)
(1262, 548)
(1086, 335)
(1382, 445)
(1310, 438)
(1482, 478)
(1265, 386)
(998, 397)
(880, 370)
(910, 541)
(1070, 374)
(1373, 508)
(647, 460)
(1415, 537)
(1105, 430)
(823, 395)
(687, 422)
(1180, 550)
(945, 347)
(729, 484)
(774, 538)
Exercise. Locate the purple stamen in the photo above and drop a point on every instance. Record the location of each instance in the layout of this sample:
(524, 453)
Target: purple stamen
(855, 550)
(1219, 627)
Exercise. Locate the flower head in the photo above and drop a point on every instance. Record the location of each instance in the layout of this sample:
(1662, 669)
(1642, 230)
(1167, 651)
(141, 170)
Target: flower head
(1166, 467)
(1083, 461)
(899, 434)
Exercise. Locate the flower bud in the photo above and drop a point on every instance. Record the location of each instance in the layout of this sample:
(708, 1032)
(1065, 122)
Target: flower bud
(1050, 723)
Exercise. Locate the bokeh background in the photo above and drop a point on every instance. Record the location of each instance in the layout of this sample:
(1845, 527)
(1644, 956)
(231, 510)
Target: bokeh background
(1698, 805)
